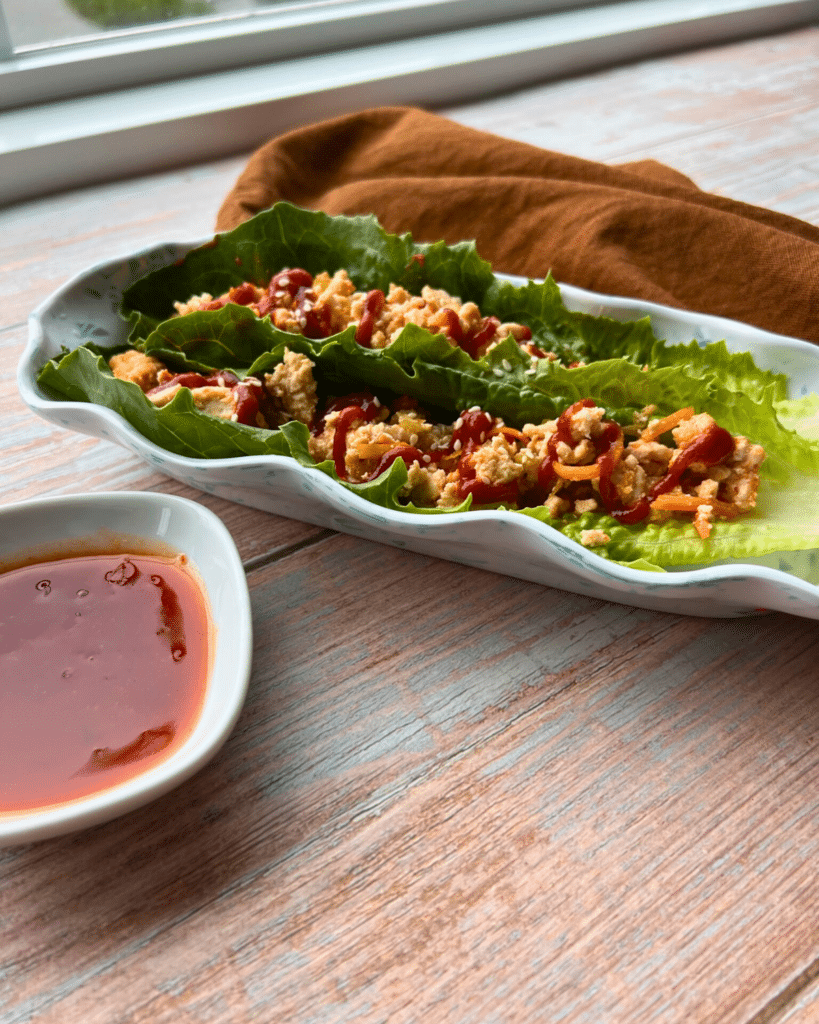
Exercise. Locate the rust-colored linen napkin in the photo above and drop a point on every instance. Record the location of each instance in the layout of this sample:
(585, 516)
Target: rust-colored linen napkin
(638, 229)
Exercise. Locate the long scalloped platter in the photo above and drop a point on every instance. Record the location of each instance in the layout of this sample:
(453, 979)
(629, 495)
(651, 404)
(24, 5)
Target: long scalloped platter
(87, 309)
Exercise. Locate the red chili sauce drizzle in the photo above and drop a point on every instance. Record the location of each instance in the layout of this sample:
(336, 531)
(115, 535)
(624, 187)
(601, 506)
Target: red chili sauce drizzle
(407, 452)
(242, 295)
(360, 406)
(473, 428)
(293, 284)
(709, 448)
(606, 445)
(297, 284)
(248, 395)
(104, 663)
(373, 304)
(477, 336)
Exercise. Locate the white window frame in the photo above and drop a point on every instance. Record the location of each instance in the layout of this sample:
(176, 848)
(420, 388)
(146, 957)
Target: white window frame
(119, 59)
(384, 52)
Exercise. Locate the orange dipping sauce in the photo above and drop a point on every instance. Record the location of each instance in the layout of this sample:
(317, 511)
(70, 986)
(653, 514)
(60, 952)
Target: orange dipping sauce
(104, 663)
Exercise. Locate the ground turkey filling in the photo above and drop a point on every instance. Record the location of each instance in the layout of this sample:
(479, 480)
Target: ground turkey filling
(324, 305)
(579, 462)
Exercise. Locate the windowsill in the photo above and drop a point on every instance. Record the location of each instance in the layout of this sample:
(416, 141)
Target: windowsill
(50, 147)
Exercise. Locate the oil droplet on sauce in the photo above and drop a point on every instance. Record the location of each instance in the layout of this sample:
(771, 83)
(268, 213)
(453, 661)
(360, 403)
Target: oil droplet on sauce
(89, 700)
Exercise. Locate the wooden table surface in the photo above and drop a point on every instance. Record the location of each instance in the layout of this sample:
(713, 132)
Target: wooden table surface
(452, 797)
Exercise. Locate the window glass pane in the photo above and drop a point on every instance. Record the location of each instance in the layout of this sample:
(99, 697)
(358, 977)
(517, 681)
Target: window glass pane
(34, 24)
(40, 22)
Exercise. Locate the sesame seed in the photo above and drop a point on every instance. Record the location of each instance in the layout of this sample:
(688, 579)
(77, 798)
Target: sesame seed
(376, 403)
(474, 408)
(458, 423)
(483, 435)
(457, 446)
(285, 281)
(506, 364)
(413, 439)
(531, 372)
(427, 458)
(497, 371)
(234, 417)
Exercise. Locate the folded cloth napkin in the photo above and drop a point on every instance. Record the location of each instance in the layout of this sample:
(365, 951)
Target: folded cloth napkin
(638, 229)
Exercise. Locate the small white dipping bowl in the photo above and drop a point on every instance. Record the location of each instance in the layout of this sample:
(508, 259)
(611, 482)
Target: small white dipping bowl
(153, 523)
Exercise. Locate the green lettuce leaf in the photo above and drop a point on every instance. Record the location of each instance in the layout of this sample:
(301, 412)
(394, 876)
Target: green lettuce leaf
(287, 236)
(784, 520)
(742, 398)
(801, 415)
(225, 339)
(425, 366)
(83, 376)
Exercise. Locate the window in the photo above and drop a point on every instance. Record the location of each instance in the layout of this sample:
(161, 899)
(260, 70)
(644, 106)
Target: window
(70, 47)
(220, 76)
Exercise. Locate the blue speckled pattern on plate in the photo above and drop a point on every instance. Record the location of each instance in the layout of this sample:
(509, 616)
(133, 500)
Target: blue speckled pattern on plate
(86, 309)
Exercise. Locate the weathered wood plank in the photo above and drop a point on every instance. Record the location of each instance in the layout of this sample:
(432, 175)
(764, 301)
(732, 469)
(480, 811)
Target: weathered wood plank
(802, 1010)
(739, 119)
(767, 161)
(625, 112)
(47, 241)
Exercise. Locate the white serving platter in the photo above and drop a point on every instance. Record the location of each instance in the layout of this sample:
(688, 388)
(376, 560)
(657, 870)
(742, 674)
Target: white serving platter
(86, 309)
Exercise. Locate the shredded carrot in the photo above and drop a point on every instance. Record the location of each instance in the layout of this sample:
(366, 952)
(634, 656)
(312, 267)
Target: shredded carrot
(510, 432)
(690, 503)
(577, 472)
(654, 431)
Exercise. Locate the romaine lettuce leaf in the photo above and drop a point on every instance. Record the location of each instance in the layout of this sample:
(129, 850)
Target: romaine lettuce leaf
(741, 397)
(801, 414)
(83, 376)
(784, 520)
(287, 236)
